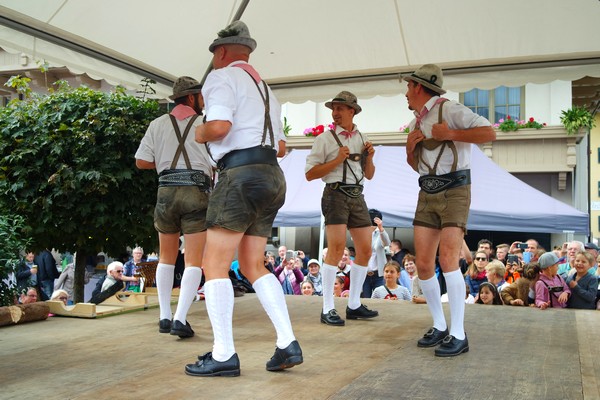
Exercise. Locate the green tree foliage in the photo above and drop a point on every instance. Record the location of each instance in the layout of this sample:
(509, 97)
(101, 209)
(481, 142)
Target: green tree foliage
(67, 166)
(13, 242)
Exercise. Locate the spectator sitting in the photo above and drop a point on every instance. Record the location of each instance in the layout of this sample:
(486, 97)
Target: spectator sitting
(338, 287)
(390, 289)
(344, 267)
(290, 276)
(27, 273)
(30, 296)
(565, 267)
(314, 275)
(502, 252)
(488, 294)
(593, 249)
(476, 273)
(495, 274)
(66, 280)
(307, 288)
(111, 283)
(302, 256)
(416, 292)
(130, 267)
(60, 295)
(486, 246)
(550, 290)
(398, 253)
(522, 292)
(583, 285)
(469, 298)
(512, 265)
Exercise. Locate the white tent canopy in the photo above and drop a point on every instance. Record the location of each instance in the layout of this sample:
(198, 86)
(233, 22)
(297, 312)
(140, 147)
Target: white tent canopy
(308, 49)
(499, 201)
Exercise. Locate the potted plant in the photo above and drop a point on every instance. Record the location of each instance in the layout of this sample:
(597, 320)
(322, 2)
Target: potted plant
(576, 118)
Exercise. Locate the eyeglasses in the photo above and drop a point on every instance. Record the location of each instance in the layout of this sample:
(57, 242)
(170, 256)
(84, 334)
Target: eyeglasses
(63, 298)
(480, 258)
(119, 271)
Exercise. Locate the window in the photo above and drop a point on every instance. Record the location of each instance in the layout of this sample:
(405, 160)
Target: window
(501, 102)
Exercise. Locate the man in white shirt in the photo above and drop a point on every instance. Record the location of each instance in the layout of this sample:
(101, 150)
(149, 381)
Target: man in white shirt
(244, 135)
(342, 158)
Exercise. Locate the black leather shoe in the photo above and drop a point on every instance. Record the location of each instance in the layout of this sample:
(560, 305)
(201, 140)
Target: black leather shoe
(207, 366)
(452, 346)
(361, 312)
(285, 358)
(181, 330)
(164, 325)
(332, 318)
(433, 337)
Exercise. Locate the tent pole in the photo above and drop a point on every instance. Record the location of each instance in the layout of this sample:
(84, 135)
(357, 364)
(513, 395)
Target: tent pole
(236, 17)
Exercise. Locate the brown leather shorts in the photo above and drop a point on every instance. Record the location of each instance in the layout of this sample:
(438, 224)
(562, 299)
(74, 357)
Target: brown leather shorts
(341, 209)
(180, 209)
(247, 198)
(444, 209)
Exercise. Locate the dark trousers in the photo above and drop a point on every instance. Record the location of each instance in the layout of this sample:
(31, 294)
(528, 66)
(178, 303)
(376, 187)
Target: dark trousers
(371, 282)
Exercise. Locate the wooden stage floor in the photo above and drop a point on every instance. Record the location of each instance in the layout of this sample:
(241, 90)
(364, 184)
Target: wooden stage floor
(516, 353)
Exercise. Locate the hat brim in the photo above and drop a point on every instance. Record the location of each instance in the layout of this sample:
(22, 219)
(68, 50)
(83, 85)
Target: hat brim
(244, 41)
(185, 93)
(428, 85)
(356, 107)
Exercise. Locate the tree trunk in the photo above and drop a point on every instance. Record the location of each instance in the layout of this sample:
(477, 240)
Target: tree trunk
(78, 285)
(23, 313)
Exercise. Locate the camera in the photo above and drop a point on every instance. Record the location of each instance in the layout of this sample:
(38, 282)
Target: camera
(373, 213)
(512, 258)
(522, 246)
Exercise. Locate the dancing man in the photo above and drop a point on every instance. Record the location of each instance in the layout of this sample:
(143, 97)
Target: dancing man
(439, 149)
(184, 182)
(342, 157)
(244, 135)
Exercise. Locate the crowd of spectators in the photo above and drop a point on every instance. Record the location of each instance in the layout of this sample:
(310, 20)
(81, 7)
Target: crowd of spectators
(516, 274)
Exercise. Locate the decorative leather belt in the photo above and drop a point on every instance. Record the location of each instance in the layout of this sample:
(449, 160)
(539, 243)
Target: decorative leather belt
(436, 183)
(252, 155)
(184, 177)
(353, 191)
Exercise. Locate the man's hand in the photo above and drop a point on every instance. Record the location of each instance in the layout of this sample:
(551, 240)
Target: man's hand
(412, 140)
(343, 153)
(369, 149)
(378, 222)
(441, 132)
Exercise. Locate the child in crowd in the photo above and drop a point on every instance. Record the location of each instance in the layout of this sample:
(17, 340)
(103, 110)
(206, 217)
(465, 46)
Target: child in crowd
(338, 287)
(390, 289)
(307, 288)
(550, 290)
(488, 294)
(512, 264)
(584, 286)
(469, 299)
(522, 291)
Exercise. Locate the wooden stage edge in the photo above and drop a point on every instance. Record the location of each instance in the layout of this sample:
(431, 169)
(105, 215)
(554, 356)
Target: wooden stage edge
(515, 353)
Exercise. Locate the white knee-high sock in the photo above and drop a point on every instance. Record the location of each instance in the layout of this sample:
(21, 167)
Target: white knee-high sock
(358, 273)
(328, 274)
(268, 290)
(432, 293)
(187, 293)
(164, 286)
(455, 285)
(219, 306)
